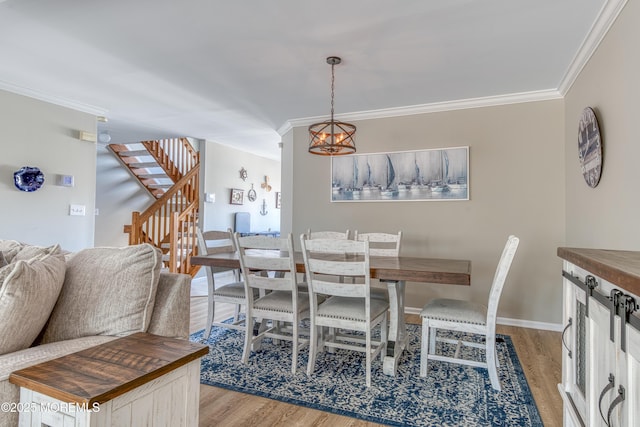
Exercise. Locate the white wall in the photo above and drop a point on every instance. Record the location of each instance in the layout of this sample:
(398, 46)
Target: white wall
(221, 172)
(606, 217)
(35, 133)
(516, 186)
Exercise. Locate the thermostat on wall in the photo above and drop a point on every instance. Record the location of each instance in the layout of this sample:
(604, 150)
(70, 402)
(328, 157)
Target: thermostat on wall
(65, 180)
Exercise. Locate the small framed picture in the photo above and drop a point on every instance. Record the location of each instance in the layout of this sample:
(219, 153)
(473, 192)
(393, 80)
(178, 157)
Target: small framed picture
(277, 200)
(237, 196)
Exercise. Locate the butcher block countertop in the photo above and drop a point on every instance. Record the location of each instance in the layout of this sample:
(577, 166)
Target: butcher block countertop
(621, 268)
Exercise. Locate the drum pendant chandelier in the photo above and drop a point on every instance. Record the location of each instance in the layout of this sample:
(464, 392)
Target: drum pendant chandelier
(332, 138)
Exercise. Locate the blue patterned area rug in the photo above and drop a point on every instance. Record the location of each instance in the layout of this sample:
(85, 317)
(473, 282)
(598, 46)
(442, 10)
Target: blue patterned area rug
(450, 395)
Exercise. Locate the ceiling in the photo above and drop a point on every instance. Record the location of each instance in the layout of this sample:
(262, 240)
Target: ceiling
(235, 72)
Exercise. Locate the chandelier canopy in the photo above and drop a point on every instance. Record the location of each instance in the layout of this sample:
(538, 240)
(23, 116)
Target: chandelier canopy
(332, 138)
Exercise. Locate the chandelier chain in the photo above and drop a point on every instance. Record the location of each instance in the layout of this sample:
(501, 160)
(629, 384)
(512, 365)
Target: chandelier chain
(333, 79)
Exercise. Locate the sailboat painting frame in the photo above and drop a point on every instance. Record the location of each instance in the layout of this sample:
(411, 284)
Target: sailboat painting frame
(420, 175)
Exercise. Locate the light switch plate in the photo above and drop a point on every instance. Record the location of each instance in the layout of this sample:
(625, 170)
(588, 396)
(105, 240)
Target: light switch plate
(77, 210)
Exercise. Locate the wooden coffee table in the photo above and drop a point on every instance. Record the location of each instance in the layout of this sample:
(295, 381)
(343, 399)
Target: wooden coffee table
(141, 379)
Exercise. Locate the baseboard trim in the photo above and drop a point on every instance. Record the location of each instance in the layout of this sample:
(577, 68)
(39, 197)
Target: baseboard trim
(531, 324)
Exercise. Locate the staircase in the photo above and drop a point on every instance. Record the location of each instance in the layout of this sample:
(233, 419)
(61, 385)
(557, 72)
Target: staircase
(169, 169)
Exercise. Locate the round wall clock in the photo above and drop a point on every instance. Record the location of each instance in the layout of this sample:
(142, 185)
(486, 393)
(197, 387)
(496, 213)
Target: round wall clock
(589, 147)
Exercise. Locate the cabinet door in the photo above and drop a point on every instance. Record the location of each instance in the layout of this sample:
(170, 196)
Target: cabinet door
(630, 408)
(601, 364)
(574, 348)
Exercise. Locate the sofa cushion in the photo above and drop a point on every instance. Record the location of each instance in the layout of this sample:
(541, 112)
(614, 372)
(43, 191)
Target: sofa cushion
(29, 289)
(3, 260)
(106, 291)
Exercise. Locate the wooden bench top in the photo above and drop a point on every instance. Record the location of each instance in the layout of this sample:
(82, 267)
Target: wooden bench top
(104, 372)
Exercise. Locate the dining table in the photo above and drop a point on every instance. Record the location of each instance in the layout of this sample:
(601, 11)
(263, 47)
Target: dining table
(395, 272)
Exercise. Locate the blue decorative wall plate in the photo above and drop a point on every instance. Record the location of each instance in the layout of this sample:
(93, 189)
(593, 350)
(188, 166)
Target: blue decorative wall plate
(28, 178)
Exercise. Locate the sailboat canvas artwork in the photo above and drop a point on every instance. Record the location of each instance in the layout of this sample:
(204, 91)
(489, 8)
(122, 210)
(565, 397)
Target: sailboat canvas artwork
(435, 174)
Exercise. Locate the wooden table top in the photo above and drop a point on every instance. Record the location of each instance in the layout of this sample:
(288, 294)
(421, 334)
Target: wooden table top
(104, 372)
(412, 269)
(621, 268)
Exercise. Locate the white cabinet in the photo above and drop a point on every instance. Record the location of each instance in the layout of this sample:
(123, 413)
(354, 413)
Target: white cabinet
(601, 354)
(573, 387)
(613, 380)
(631, 411)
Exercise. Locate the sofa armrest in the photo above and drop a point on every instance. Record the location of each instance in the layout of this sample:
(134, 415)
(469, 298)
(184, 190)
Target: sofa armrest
(170, 317)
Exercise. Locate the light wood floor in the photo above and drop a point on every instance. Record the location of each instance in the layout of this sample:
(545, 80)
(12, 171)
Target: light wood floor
(539, 353)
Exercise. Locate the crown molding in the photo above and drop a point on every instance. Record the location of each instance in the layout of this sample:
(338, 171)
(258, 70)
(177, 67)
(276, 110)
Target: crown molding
(607, 16)
(63, 102)
(488, 101)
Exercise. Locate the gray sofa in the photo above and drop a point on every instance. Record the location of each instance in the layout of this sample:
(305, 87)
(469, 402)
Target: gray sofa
(53, 304)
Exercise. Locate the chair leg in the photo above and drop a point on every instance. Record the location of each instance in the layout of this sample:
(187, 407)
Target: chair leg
(248, 339)
(313, 348)
(491, 361)
(368, 358)
(424, 347)
(210, 317)
(332, 335)
(236, 313)
(294, 356)
(433, 332)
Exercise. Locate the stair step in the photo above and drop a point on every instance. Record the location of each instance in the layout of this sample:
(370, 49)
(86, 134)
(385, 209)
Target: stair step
(159, 185)
(144, 165)
(151, 181)
(153, 176)
(134, 153)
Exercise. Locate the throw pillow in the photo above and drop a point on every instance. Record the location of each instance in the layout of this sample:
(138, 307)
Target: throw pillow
(3, 260)
(106, 291)
(10, 248)
(28, 292)
(29, 252)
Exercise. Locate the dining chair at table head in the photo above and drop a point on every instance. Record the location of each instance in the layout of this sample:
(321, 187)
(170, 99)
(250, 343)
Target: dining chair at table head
(268, 266)
(470, 317)
(216, 242)
(348, 306)
(381, 244)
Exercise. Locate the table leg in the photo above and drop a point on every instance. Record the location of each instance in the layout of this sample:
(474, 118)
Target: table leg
(258, 327)
(397, 340)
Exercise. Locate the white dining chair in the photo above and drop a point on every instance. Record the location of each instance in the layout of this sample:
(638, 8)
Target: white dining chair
(340, 235)
(381, 244)
(268, 266)
(216, 242)
(349, 306)
(469, 317)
